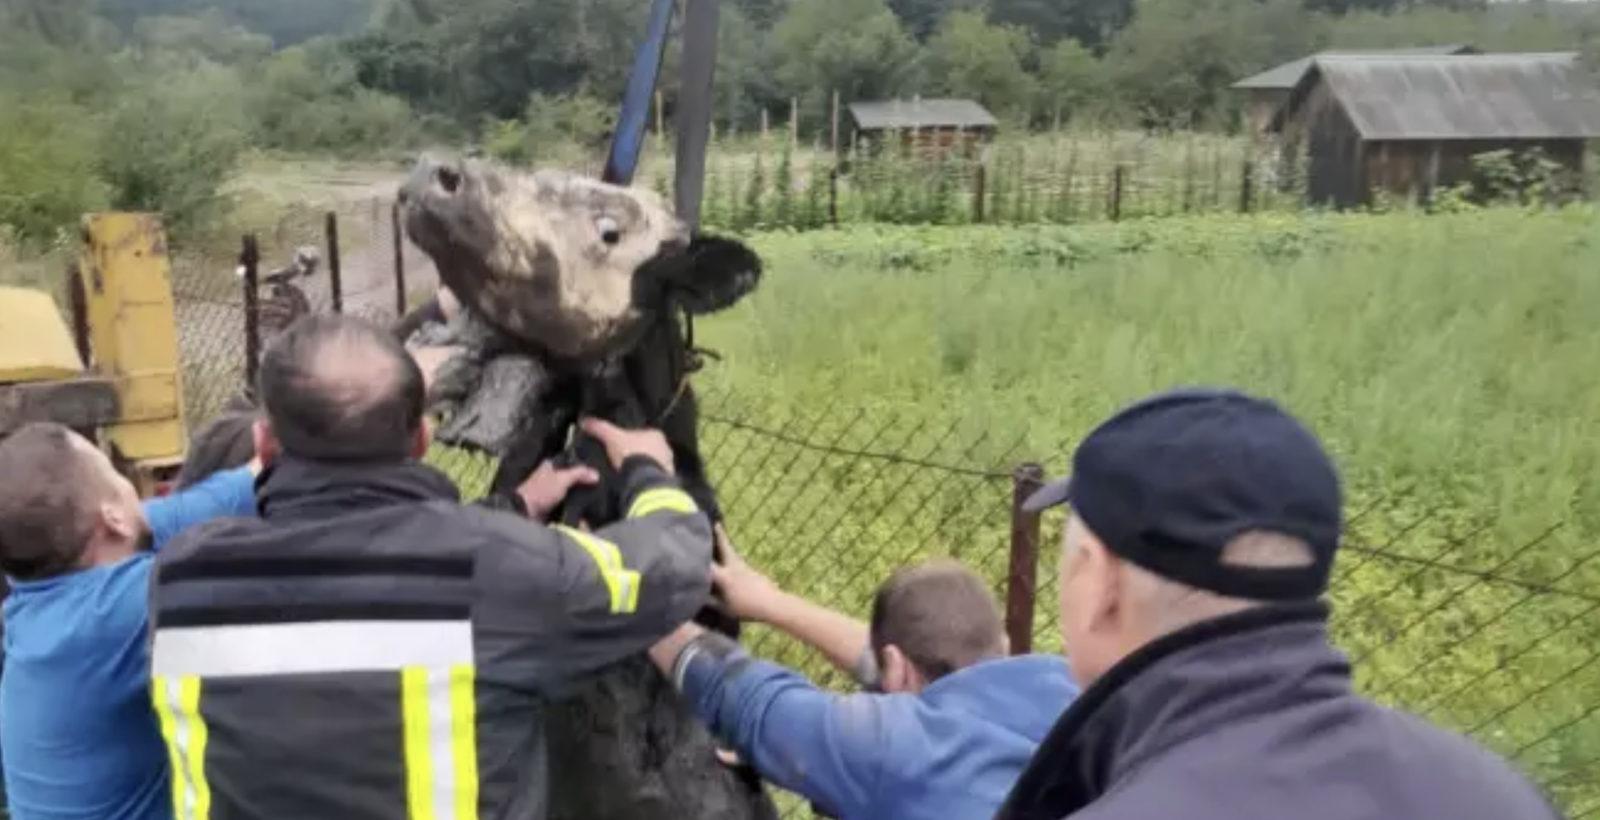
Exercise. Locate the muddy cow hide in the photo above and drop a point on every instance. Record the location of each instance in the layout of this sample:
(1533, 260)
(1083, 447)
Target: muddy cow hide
(575, 297)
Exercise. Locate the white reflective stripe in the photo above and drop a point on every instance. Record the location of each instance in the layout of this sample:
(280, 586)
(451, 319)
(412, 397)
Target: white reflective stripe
(439, 747)
(309, 648)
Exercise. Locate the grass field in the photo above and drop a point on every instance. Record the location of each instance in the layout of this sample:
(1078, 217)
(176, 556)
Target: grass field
(1449, 361)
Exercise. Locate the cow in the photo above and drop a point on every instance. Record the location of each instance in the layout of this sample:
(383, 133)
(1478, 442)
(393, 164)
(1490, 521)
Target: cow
(577, 299)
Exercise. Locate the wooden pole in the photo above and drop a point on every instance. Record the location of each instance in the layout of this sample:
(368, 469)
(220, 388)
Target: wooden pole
(980, 184)
(661, 117)
(794, 123)
(836, 123)
(1116, 192)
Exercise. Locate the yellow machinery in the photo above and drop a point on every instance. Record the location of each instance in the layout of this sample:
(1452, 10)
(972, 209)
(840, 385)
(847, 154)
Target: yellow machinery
(116, 377)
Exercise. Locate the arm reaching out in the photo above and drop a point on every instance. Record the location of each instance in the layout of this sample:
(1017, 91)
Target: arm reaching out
(843, 640)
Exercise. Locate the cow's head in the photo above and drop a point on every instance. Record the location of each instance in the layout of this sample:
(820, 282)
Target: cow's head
(561, 261)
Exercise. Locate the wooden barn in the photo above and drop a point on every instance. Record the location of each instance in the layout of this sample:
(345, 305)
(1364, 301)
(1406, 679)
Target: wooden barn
(1266, 92)
(1409, 125)
(925, 127)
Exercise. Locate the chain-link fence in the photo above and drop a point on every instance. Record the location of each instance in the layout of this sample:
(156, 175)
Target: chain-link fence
(364, 267)
(1438, 615)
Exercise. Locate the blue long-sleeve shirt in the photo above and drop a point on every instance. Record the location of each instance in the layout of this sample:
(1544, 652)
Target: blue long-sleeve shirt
(77, 735)
(951, 753)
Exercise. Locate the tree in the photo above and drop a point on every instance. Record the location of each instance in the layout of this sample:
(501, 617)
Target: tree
(170, 145)
(1071, 79)
(209, 36)
(1175, 61)
(854, 47)
(1090, 22)
(970, 57)
(922, 17)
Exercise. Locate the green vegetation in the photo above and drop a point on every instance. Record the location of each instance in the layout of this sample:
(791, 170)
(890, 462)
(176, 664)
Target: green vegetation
(1447, 360)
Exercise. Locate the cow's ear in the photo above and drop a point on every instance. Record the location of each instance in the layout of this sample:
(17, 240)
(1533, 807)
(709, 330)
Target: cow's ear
(719, 273)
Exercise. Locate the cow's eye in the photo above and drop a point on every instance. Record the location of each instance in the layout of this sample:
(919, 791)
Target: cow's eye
(610, 231)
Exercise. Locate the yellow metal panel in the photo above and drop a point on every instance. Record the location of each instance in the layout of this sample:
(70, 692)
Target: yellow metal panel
(35, 344)
(133, 331)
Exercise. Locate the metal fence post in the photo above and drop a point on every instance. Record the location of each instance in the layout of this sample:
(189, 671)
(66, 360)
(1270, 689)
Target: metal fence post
(1022, 579)
(250, 259)
(400, 299)
(335, 282)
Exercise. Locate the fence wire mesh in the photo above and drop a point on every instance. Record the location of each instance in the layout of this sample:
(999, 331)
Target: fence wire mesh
(1438, 615)
(208, 289)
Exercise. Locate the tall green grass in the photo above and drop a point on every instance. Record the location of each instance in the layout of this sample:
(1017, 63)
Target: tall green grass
(1457, 357)
(1452, 364)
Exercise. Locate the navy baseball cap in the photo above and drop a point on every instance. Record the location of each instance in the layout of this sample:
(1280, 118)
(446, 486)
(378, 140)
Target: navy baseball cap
(1170, 481)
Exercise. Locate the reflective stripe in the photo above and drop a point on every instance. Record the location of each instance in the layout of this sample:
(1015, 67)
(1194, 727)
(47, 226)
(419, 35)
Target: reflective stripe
(310, 648)
(440, 712)
(177, 703)
(622, 583)
(464, 740)
(169, 733)
(662, 498)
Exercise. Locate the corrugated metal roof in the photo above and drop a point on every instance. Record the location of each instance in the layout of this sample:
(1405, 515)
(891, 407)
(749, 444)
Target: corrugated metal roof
(893, 114)
(1285, 77)
(1491, 96)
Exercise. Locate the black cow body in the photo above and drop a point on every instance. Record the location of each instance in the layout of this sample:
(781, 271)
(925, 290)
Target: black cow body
(623, 747)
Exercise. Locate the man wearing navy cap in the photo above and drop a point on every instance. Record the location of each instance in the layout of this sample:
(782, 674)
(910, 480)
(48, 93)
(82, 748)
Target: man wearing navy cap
(1203, 531)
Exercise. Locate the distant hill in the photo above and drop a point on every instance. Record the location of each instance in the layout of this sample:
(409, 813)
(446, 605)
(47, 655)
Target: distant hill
(286, 21)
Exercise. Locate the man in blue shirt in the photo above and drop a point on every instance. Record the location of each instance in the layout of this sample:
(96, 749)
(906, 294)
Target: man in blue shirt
(949, 727)
(78, 735)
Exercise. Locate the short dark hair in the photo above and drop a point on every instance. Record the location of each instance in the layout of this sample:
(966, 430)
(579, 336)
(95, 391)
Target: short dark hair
(941, 615)
(48, 499)
(338, 388)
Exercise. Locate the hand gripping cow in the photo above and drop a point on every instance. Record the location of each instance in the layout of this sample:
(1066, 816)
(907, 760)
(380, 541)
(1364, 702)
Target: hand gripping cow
(573, 292)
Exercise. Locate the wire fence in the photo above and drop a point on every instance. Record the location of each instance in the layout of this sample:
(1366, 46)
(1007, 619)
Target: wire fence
(1494, 640)
(1438, 615)
(366, 268)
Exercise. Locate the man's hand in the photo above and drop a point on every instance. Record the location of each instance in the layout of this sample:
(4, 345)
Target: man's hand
(751, 596)
(622, 445)
(548, 486)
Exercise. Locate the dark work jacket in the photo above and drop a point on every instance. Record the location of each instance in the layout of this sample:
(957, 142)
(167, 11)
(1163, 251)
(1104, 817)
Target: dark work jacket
(1252, 717)
(370, 649)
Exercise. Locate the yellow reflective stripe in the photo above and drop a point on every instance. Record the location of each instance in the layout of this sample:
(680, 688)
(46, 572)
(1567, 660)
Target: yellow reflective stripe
(662, 498)
(169, 733)
(622, 583)
(464, 740)
(419, 763)
(189, 702)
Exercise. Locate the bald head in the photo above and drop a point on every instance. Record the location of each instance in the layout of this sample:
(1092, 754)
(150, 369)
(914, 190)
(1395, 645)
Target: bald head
(337, 388)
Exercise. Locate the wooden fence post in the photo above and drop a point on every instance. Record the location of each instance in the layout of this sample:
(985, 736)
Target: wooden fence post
(250, 260)
(980, 192)
(1246, 185)
(1022, 578)
(1116, 193)
(335, 280)
(833, 195)
(836, 123)
(400, 299)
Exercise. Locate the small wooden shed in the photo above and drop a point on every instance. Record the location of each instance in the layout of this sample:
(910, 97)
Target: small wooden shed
(1266, 92)
(1409, 125)
(926, 127)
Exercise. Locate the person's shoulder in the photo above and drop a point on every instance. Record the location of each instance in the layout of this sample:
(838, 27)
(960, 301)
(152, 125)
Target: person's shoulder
(1459, 765)
(187, 544)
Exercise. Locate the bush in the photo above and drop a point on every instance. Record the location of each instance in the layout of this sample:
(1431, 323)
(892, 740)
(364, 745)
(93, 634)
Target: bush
(170, 147)
(567, 120)
(47, 162)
